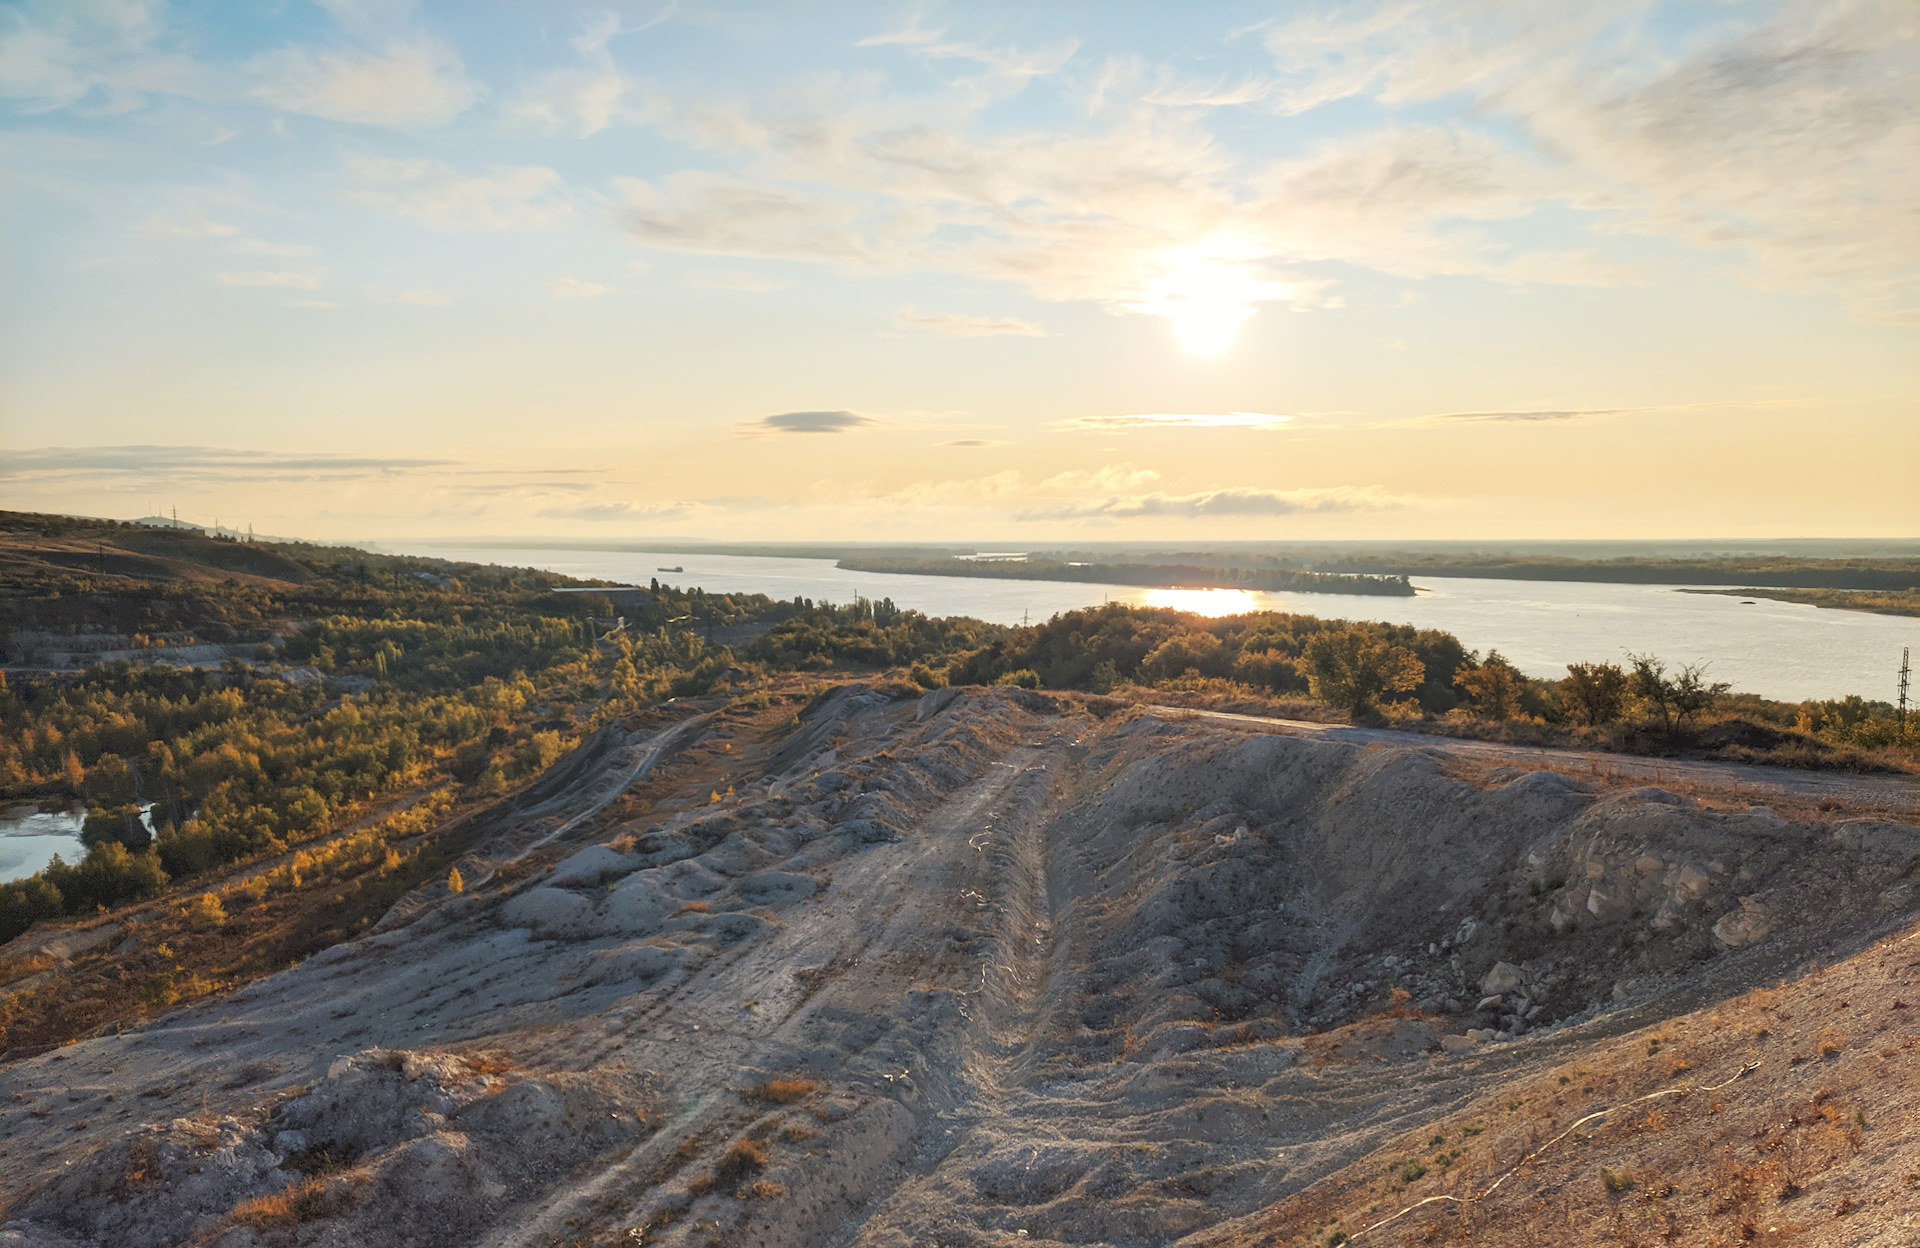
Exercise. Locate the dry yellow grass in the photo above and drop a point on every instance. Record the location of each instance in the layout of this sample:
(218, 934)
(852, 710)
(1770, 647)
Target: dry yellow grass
(782, 1091)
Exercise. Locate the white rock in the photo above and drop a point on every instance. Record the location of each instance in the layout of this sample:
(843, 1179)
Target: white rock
(1690, 883)
(548, 912)
(1503, 976)
(591, 864)
(1749, 925)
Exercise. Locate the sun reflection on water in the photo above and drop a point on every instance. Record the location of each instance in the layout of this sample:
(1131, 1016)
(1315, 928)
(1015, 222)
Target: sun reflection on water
(1210, 602)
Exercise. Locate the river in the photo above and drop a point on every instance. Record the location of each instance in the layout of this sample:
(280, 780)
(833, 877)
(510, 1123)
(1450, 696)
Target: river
(1778, 649)
(30, 837)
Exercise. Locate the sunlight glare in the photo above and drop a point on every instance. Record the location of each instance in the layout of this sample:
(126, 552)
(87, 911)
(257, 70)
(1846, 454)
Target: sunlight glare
(1208, 602)
(1207, 295)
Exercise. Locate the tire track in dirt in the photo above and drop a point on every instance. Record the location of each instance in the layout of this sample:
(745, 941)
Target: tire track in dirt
(868, 940)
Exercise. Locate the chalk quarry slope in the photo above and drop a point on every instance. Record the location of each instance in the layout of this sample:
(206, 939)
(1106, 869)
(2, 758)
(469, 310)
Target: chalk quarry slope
(983, 967)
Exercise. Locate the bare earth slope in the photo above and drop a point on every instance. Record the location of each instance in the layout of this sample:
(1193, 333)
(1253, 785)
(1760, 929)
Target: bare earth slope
(983, 968)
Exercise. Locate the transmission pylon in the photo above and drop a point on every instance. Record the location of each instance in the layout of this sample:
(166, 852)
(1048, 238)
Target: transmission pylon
(1906, 671)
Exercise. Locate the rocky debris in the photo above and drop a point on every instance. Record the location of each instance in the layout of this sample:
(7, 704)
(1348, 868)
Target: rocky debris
(425, 1147)
(1749, 925)
(1503, 977)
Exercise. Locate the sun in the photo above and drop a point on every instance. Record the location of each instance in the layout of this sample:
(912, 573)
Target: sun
(1208, 294)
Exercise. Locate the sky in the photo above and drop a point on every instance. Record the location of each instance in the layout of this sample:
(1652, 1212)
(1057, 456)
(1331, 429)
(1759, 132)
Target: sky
(1009, 273)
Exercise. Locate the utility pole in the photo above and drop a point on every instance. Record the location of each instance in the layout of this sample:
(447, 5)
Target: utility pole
(1906, 670)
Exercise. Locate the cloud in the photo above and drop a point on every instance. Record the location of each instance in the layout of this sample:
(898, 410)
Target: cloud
(810, 422)
(1176, 420)
(732, 279)
(1785, 132)
(163, 225)
(310, 303)
(573, 288)
(507, 197)
(973, 442)
(1009, 62)
(208, 464)
(603, 513)
(961, 325)
(1531, 417)
(260, 247)
(418, 298)
(410, 81)
(1233, 501)
(257, 277)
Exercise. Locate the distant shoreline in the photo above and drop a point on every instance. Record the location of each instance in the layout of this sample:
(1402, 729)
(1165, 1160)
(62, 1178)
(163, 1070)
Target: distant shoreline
(1893, 602)
(1143, 575)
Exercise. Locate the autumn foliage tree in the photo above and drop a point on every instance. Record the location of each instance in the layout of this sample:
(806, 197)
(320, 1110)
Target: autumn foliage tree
(1495, 688)
(1352, 671)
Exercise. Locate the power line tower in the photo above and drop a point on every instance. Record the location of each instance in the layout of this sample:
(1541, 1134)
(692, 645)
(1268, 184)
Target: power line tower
(1906, 670)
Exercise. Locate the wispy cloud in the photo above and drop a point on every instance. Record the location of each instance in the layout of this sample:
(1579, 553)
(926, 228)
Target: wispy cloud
(732, 279)
(418, 298)
(387, 74)
(260, 247)
(1529, 417)
(610, 512)
(961, 325)
(810, 422)
(973, 442)
(1233, 501)
(202, 463)
(275, 278)
(1176, 420)
(434, 194)
(574, 288)
(165, 225)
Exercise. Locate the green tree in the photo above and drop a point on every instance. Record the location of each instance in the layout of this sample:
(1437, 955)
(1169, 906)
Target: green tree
(1351, 671)
(1678, 699)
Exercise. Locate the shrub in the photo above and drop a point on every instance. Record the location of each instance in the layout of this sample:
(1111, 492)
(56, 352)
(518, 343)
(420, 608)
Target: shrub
(206, 913)
(454, 883)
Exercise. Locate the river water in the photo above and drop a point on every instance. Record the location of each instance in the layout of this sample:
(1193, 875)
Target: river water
(30, 837)
(1779, 649)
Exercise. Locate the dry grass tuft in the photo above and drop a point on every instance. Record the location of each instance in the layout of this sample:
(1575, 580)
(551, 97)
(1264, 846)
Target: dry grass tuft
(488, 1063)
(742, 1158)
(290, 1206)
(782, 1091)
(691, 907)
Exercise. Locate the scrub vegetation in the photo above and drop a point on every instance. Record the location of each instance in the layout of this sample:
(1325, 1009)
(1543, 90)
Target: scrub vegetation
(355, 683)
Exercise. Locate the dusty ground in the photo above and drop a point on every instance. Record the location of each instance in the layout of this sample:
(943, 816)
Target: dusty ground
(982, 967)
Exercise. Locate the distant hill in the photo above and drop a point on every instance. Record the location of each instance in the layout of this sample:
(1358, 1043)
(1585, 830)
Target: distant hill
(34, 546)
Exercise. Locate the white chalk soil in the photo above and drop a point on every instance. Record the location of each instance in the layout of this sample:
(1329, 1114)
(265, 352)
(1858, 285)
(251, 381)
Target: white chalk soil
(972, 968)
